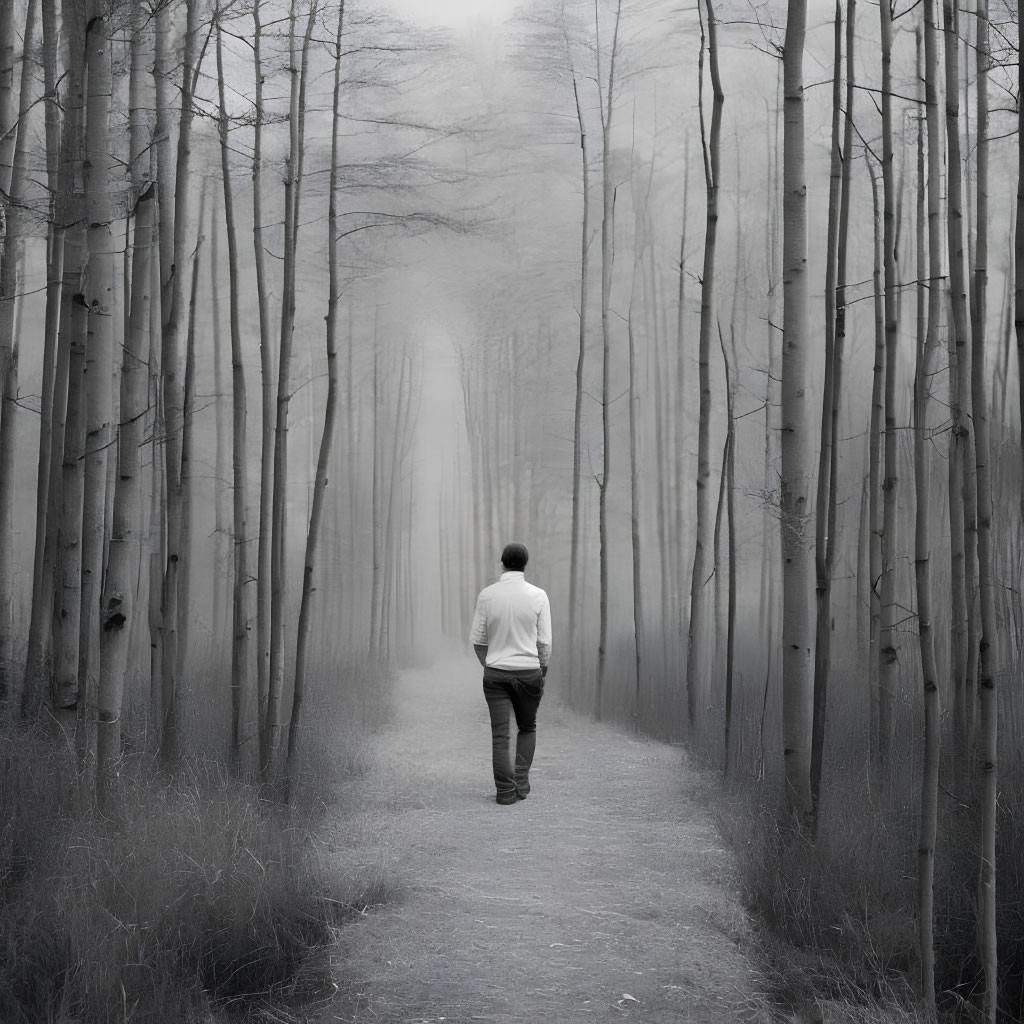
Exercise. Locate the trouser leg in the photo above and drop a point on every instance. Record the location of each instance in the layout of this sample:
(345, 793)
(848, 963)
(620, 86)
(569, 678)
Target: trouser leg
(499, 704)
(525, 703)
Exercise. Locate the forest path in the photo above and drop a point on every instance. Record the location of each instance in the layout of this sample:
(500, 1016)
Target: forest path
(606, 895)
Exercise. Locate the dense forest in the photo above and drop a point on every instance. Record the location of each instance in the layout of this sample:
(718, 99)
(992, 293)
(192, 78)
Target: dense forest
(306, 309)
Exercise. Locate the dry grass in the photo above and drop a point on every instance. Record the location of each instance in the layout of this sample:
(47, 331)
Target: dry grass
(200, 896)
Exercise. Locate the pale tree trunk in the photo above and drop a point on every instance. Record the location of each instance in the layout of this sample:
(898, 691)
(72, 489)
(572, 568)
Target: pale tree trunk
(729, 478)
(267, 394)
(1018, 244)
(240, 615)
(679, 468)
(639, 244)
(118, 599)
(696, 656)
(65, 505)
(12, 210)
(187, 493)
(988, 720)
(67, 610)
(929, 276)
(221, 561)
(961, 514)
(42, 562)
(577, 427)
(797, 698)
(607, 250)
(330, 414)
(173, 308)
(888, 650)
(279, 531)
(766, 616)
(376, 505)
(874, 470)
(99, 297)
(8, 96)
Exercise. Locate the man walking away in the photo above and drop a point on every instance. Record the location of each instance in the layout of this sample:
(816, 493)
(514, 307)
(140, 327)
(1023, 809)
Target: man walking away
(511, 635)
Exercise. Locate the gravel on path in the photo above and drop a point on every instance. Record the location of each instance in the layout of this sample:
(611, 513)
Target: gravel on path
(605, 895)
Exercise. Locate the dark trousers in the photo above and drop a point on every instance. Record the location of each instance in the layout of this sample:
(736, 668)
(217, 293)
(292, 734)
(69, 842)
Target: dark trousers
(509, 693)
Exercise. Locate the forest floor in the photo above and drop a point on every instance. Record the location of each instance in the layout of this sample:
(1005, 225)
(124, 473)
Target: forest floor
(606, 895)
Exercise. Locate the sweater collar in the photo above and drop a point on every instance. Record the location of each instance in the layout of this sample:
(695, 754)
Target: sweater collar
(512, 574)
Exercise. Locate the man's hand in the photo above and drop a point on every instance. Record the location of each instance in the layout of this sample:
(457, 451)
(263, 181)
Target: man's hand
(543, 671)
(481, 653)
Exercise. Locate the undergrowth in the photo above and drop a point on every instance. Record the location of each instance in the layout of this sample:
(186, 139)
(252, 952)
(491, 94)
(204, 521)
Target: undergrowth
(199, 898)
(837, 914)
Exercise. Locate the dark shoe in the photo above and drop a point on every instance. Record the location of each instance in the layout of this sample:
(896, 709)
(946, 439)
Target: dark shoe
(505, 800)
(522, 796)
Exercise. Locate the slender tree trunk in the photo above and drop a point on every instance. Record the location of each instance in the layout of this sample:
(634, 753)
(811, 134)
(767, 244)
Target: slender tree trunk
(330, 414)
(987, 650)
(267, 393)
(729, 477)
(607, 256)
(797, 710)
(279, 530)
(874, 470)
(577, 429)
(961, 513)
(824, 541)
(1018, 246)
(888, 651)
(696, 656)
(240, 615)
(39, 638)
(221, 561)
(927, 345)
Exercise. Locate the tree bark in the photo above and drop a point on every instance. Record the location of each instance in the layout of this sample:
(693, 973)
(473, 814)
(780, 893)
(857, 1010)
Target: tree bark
(696, 657)
(118, 599)
(607, 247)
(240, 614)
(796, 640)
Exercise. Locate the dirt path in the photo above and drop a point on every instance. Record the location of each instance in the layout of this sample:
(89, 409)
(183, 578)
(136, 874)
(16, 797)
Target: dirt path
(605, 895)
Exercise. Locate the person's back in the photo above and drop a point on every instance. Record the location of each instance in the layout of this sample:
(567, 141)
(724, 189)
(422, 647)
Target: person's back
(512, 618)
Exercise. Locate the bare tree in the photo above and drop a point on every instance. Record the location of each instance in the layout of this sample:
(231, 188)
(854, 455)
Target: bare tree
(796, 640)
(699, 573)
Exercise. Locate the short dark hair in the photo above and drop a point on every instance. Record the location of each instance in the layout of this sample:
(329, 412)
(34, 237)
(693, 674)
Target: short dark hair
(515, 556)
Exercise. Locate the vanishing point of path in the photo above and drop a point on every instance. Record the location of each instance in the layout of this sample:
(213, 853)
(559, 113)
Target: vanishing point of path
(605, 895)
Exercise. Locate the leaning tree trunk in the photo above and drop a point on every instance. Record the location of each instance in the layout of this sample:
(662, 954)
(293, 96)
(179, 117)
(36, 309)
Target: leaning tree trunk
(797, 698)
(696, 660)
(330, 415)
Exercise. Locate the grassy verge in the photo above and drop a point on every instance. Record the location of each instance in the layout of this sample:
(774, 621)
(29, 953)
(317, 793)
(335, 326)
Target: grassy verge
(838, 916)
(200, 898)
